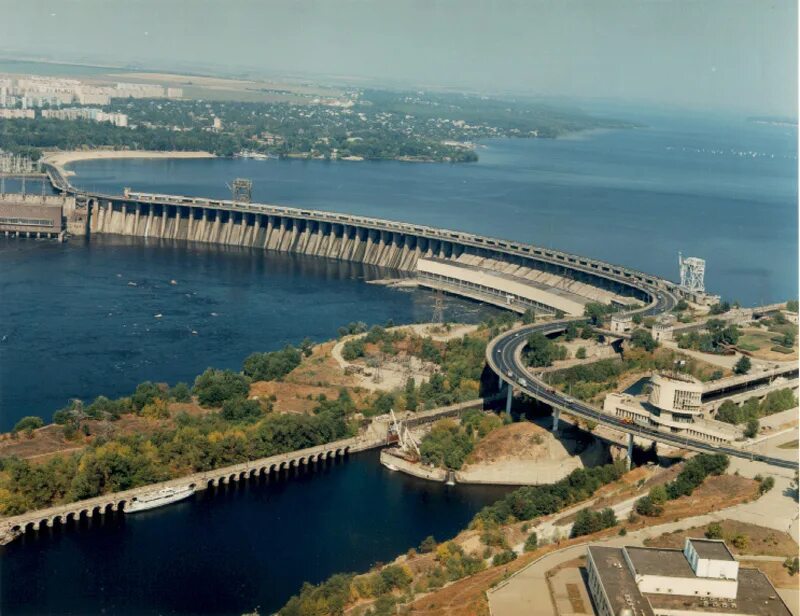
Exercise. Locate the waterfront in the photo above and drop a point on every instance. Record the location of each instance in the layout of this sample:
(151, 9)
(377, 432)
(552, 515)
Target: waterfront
(95, 307)
(97, 331)
(233, 548)
(722, 189)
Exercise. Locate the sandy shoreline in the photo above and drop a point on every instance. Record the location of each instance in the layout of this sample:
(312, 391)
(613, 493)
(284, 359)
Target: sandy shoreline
(61, 159)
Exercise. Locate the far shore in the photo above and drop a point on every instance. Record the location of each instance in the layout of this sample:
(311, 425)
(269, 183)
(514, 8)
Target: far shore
(61, 159)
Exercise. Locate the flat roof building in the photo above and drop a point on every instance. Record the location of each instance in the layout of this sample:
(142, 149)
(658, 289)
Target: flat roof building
(703, 578)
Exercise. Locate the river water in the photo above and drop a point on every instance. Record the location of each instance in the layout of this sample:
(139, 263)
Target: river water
(79, 320)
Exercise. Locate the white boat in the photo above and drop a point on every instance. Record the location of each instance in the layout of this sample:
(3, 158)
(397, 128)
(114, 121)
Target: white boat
(159, 498)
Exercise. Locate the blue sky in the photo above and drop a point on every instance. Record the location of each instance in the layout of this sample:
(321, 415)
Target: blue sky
(735, 54)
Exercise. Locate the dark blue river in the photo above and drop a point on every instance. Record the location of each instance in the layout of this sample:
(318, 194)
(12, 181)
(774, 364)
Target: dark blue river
(79, 320)
(238, 548)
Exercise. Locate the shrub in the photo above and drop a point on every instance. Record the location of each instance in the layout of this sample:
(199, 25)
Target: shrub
(588, 521)
(353, 349)
(181, 393)
(213, 387)
(504, 557)
(743, 365)
(766, 484)
(792, 565)
(241, 409)
(428, 545)
(741, 542)
(752, 428)
(532, 542)
(580, 353)
(271, 366)
(145, 394)
(714, 531)
(28, 424)
(646, 506)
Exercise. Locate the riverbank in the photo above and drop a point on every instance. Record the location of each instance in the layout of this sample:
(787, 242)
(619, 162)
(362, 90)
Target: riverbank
(60, 160)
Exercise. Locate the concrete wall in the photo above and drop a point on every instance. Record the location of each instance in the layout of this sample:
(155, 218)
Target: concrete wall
(387, 244)
(417, 470)
(31, 214)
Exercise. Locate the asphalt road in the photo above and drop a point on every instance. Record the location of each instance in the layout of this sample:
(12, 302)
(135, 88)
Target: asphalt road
(501, 355)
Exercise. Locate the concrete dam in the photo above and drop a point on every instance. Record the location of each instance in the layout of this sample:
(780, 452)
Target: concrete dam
(514, 275)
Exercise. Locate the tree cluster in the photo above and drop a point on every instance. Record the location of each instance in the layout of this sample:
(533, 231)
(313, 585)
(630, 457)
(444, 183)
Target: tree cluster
(694, 473)
(588, 521)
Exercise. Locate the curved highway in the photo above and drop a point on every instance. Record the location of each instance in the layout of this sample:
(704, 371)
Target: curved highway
(504, 356)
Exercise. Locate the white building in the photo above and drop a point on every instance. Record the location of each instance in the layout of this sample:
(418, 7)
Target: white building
(674, 405)
(703, 578)
(86, 113)
(621, 323)
(17, 114)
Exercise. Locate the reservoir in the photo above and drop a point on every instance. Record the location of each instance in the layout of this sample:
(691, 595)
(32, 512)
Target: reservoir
(78, 320)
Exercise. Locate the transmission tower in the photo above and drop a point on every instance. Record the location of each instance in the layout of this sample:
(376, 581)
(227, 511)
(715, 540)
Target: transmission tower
(438, 308)
(241, 190)
(693, 272)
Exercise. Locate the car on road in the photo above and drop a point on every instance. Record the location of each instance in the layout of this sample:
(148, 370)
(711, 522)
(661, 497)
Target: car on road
(523, 382)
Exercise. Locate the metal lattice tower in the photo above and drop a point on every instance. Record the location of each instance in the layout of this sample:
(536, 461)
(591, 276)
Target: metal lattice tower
(693, 271)
(438, 308)
(242, 190)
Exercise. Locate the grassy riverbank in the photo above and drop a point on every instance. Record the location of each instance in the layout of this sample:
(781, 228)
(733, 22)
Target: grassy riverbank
(280, 401)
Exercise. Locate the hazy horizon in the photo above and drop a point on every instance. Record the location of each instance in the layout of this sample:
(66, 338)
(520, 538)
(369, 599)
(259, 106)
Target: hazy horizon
(739, 55)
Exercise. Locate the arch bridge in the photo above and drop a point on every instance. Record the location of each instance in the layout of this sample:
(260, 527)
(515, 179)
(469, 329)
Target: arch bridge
(15, 526)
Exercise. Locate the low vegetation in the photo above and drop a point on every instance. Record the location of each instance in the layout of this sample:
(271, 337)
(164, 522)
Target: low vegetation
(588, 521)
(448, 443)
(587, 380)
(753, 409)
(693, 474)
(717, 337)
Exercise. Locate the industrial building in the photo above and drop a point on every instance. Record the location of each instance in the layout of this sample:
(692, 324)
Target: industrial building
(703, 578)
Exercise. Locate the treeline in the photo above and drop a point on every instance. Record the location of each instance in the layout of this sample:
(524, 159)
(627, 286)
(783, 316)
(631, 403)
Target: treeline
(46, 133)
(717, 337)
(195, 444)
(694, 473)
(532, 502)
(752, 409)
(238, 430)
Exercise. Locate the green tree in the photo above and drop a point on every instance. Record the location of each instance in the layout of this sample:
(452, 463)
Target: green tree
(743, 365)
(28, 424)
(181, 393)
(241, 409)
(529, 316)
(410, 394)
(751, 428)
(504, 557)
(213, 387)
(580, 353)
(642, 339)
(428, 545)
(532, 542)
(714, 531)
(271, 366)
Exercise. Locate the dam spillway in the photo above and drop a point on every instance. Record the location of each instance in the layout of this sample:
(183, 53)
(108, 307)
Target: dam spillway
(387, 244)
